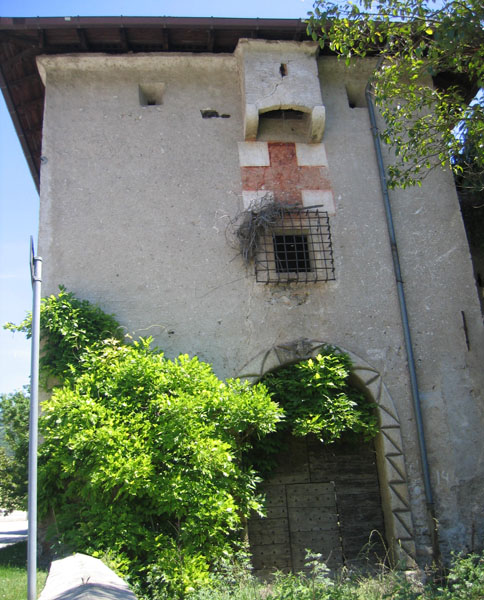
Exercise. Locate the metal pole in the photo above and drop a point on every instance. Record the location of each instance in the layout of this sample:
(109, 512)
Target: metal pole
(36, 275)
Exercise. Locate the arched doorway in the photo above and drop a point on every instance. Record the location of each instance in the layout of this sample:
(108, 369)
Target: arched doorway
(385, 457)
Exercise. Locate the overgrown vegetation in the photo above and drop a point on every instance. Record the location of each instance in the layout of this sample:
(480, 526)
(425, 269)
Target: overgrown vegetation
(146, 461)
(233, 580)
(318, 400)
(14, 422)
(142, 459)
(418, 41)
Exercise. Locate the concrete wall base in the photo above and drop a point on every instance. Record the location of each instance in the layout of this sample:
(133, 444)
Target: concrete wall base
(82, 577)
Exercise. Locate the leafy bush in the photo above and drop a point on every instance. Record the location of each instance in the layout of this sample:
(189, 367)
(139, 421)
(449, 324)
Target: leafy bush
(466, 578)
(142, 457)
(14, 420)
(67, 327)
(148, 462)
(317, 399)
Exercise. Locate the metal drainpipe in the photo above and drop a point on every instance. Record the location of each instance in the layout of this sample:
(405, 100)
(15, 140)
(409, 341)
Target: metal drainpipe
(432, 522)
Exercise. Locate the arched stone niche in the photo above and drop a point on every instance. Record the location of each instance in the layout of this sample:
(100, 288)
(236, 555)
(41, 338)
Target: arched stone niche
(390, 457)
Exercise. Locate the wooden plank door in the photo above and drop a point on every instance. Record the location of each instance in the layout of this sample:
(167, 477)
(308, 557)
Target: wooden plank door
(300, 516)
(313, 523)
(325, 499)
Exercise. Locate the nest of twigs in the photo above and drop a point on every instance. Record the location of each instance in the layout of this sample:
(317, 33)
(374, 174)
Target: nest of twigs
(255, 222)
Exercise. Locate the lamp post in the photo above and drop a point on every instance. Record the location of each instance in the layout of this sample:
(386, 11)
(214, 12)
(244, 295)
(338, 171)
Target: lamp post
(36, 276)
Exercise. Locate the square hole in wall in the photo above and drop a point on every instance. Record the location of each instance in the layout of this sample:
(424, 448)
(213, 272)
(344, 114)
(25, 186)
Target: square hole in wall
(355, 93)
(151, 94)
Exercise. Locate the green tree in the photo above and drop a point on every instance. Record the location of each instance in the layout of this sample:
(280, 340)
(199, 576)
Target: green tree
(14, 422)
(142, 458)
(432, 66)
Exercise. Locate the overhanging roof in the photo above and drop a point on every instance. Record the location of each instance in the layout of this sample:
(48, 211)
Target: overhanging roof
(23, 39)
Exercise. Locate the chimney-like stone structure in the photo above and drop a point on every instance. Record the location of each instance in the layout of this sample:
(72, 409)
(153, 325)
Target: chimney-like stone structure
(280, 76)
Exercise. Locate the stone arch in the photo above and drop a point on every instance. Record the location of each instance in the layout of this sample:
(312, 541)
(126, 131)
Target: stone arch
(274, 107)
(284, 123)
(391, 463)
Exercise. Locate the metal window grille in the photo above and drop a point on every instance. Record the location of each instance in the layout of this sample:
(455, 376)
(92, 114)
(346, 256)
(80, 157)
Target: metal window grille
(296, 249)
(291, 253)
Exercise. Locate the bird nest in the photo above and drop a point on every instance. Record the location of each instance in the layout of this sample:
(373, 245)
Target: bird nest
(260, 219)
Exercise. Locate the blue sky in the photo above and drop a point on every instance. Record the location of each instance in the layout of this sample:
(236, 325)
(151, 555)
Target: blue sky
(18, 197)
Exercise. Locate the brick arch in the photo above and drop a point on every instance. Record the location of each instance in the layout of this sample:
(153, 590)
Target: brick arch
(389, 446)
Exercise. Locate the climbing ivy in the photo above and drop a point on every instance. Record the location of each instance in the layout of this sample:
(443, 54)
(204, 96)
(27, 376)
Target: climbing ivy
(317, 399)
(67, 327)
(153, 462)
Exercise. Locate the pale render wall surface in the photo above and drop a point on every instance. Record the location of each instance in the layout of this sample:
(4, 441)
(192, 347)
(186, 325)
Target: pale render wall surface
(135, 203)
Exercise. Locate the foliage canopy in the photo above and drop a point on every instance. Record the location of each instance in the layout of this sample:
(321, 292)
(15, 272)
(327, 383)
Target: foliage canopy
(419, 42)
(141, 458)
(149, 461)
(14, 424)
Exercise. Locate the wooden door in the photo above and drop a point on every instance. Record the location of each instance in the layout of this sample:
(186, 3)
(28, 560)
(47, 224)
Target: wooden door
(322, 498)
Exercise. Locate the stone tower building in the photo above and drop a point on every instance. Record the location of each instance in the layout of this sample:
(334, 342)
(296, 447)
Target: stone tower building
(156, 135)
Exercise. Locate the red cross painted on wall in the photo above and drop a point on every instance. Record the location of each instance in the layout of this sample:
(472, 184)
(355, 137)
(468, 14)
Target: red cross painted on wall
(284, 178)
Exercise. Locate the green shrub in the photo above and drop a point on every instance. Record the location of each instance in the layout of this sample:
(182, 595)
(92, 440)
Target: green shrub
(142, 457)
(148, 462)
(67, 327)
(318, 400)
(466, 578)
(14, 420)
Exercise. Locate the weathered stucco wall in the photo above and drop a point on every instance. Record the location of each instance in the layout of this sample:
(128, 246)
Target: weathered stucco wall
(135, 204)
(440, 292)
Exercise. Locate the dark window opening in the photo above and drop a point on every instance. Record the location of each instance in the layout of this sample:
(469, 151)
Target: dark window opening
(209, 113)
(288, 114)
(356, 95)
(291, 253)
(283, 125)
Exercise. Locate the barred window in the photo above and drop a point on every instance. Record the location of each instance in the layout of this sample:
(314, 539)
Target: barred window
(291, 253)
(296, 249)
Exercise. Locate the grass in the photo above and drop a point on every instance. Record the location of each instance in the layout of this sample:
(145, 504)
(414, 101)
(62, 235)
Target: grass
(13, 573)
(464, 581)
